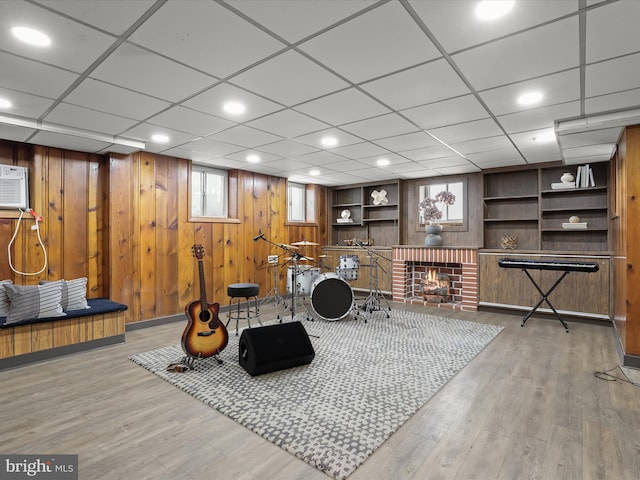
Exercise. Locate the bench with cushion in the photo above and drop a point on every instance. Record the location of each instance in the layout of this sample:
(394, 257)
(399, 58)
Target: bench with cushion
(98, 323)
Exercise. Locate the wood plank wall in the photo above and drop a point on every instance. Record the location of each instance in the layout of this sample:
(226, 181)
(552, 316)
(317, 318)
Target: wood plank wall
(626, 267)
(123, 222)
(66, 189)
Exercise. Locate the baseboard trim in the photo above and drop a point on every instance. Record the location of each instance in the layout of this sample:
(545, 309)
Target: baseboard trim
(631, 361)
(42, 355)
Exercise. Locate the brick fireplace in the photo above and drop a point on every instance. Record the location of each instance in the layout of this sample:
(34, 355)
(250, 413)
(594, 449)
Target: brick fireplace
(460, 264)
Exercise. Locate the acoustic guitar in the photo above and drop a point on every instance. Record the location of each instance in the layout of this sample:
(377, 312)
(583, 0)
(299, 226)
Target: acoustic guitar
(205, 335)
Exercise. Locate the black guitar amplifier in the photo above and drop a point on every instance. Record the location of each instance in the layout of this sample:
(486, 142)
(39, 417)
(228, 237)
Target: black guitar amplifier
(274, 347)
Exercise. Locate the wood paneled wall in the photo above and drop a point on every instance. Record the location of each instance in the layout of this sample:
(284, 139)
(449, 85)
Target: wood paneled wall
(123, 222)
(68, 190)
(626, 266)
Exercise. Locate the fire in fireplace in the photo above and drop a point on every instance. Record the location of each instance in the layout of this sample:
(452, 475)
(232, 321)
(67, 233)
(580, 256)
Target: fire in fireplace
(435, 286)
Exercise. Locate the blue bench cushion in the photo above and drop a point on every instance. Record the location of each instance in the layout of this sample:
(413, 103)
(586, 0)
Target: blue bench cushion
(96, 307)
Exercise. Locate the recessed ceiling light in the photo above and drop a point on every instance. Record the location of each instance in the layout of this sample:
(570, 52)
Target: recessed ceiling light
(329, 141)
(530, 98)
(4, 103)
(492, 9)
(314, 172)
(160, 138)
(253, 158)
(31, 36)
(234, 108)
(546, 136)
(382, 162)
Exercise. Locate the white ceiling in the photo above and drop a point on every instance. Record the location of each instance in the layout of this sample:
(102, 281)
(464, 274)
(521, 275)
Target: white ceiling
(422, 83)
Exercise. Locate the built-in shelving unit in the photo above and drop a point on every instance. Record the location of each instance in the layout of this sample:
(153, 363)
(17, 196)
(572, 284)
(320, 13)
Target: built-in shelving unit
(379, 223)
(523, 204)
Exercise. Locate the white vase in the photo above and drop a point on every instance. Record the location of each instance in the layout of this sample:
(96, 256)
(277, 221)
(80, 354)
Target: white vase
(566, 177)
(433, 238)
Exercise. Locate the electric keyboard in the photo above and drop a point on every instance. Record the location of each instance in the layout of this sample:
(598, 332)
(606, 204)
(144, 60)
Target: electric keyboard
(548, 265)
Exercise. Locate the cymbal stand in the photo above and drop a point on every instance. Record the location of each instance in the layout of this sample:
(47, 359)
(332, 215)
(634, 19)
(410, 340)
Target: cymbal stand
(274, 293)
(372, 302)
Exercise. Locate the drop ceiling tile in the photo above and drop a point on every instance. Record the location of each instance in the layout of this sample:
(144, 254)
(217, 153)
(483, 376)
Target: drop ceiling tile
(392, 158)
(244, 136)
(314, 139)
(419, 85)
(532, 149)
(74, 46)
(612, 30)
(86, 119)
(24, 104)
(27, 76)
(533, 53)
(211, 148)
(428, 153)
(447, 112)
(418, 174)
(557, 88)
(467, 131)
(436, 163)
(381, 127)
(206, 36)
(509, 156)
(382, 40)
(408, 141)
(360, 150)
(321, 158)
(288, 124)
(212, 102)
(101, 13)
(150, 74)
(115, 100)
(343, 107)
(605, 136)
(601, 150)
(497, 162)
(371, 174)
(289, 78)
(188, 120)
(288, 164)
(457, 170)
(242, 155)
(537, 118)
(484, 145)
(599, 79)
(144, 131)
(294, 21)
(67, 142)
(613, 101)
(17, 134)
(456, 25)
(287, 148)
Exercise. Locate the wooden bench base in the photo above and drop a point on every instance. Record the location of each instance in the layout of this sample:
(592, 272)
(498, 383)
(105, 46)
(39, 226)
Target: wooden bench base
(38, 341)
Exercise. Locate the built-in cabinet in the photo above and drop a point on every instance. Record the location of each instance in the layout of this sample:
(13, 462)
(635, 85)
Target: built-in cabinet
(373, 264)
(355, 215)
(523, 204)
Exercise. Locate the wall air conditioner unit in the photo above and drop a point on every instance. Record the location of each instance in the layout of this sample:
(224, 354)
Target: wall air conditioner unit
(14, 187)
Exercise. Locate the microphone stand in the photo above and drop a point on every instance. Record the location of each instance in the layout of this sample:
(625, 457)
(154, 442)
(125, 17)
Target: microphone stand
(372, 302)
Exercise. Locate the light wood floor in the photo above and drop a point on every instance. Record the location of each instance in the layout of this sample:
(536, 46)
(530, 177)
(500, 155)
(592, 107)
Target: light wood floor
(528, 407)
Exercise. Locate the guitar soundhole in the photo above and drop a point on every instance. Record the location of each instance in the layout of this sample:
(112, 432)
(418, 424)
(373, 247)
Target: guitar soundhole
(205, 316)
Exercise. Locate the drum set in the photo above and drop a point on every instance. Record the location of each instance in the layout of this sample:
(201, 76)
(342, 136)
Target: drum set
(330, 295)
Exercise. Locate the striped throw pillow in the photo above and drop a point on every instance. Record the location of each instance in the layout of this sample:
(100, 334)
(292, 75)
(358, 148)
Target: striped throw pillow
(34, 301)
(74, 293)
(4, 300)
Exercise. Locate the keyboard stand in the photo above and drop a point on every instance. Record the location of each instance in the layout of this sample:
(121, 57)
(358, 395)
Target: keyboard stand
(545, 298)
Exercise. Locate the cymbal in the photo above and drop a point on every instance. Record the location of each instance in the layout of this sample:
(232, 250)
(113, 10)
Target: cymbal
(322, 256)
(305, 242)
(300, 258)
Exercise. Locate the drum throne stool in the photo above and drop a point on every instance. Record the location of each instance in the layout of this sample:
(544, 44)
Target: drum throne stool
(248, 291)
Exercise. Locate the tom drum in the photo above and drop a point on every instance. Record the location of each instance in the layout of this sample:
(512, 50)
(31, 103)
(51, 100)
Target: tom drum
(304, 279)
(348, 267)
(331, 297)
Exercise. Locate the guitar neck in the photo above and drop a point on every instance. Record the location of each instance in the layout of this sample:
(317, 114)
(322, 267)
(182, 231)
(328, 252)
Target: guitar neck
(203, 287)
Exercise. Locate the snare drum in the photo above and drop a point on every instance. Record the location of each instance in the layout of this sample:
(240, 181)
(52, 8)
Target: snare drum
(305, 277)
(331, 297)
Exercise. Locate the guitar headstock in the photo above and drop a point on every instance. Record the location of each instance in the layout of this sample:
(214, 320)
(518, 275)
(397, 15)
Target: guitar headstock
(198, 251)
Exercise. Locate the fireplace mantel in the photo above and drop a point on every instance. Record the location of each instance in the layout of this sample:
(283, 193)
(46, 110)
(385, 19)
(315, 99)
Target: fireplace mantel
(405, 256)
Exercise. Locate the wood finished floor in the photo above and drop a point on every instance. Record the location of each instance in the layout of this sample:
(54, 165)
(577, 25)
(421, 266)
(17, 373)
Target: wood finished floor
(528, 407)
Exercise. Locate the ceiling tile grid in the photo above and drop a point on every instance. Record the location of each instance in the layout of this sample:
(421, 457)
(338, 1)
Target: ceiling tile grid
(425, 85)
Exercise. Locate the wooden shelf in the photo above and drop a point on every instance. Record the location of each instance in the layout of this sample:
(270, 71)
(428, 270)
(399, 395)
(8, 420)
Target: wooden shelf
(521, 204)
(378, 222)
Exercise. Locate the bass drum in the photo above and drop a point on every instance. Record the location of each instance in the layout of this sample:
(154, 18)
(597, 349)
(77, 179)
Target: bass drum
(331, 297)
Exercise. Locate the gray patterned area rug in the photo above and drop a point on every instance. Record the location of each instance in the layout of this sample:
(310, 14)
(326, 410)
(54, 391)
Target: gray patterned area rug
(365, 381)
